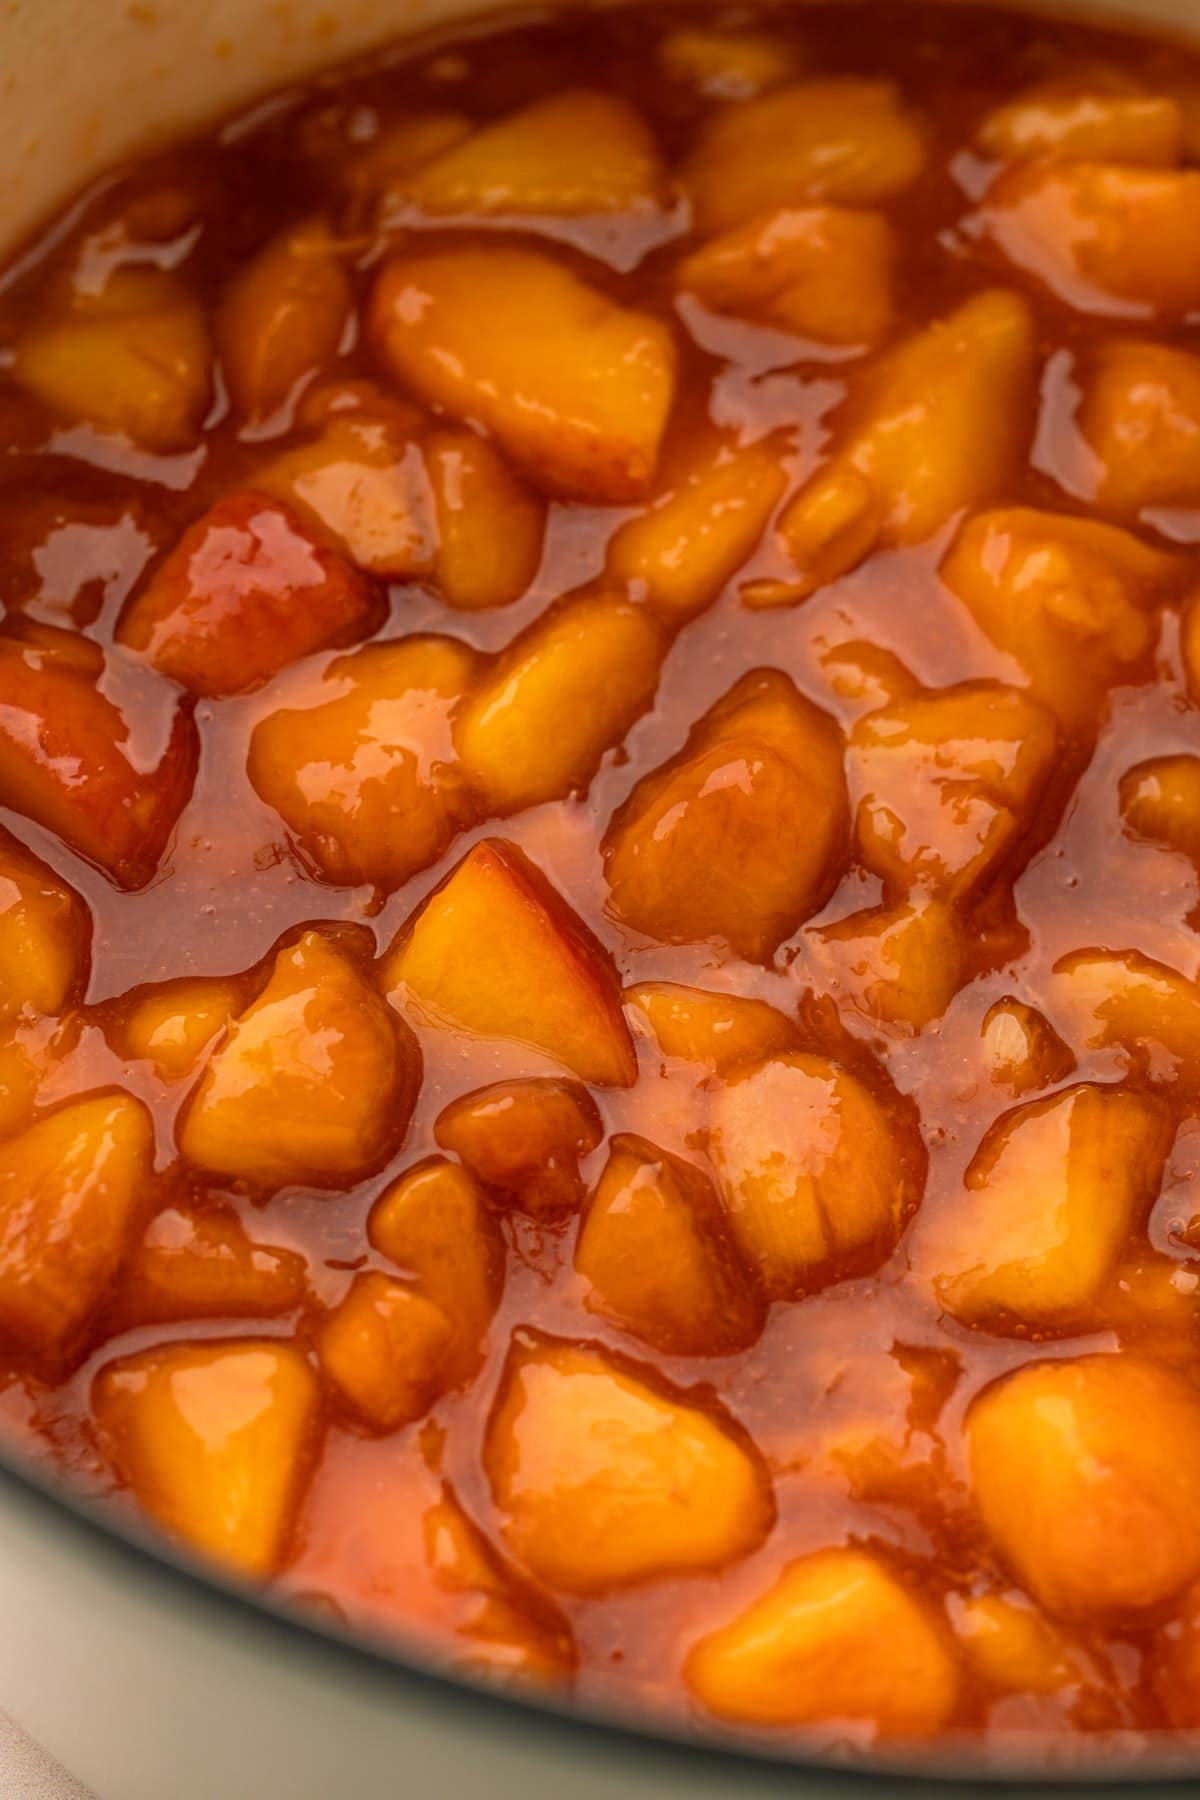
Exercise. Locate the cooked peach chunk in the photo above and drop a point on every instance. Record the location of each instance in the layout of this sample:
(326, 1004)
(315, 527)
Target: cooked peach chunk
(1160, 801)
(1087, 1474)
(1103, 236)
(575, 152)
(1189, 645)
(315, 1082)
(1140, 414)
(433, 1223)
(721, 1030)
(1078, 119)
(733, 64)
(171, 1025)
(93, 751)
(838, 1636)
(565, 690)
(899, 964)
(1021, 1048)
(1049, 1200)
(71, 1188)
(1013, 1646)
(196, 1262)
(822, 272)
(683, 549)
(245, 591)
(44, 934)
(490, 523)
(525, 1138)
(215, 1441)
(812, 1167)
(132, 358)
(570, 384)
(20, 1077)
(497, 952)
(384, 1347)
(362, 769)
(841, 140)
(658, 1258)
(604, 1480)
(757, 800)
(402, 144)
(1122, 997)
(282, 319)
(1070, 599)
(933, 428)
(948, 783)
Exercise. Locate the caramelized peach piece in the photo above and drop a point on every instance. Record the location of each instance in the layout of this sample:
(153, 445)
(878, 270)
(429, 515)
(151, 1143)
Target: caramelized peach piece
(44, 934)
(315, 1082)
(933, 428)
(682, 551)
(840, 140)
(109, 776)
(490, 523)
(171, 1025)
(525, 1138)
(1021, 1048)
(384, 1347)
(570, 384)
(822, 272)
(721, 1030)
(837, 1637)
(362, 770)
(245, 591)
(1160, 801)
(565, 690)
(757, 800)
(433, 1224)
(1087, 1474)
(20, 1078)
(1189, 645)
(282, 319)
(732, 64)
(604, 1480)
(656, 1253)
(1070, 599)
(948, 783)
(132, 358)
(1122, 997)
(215, 1441)
(1078, 119)
(1102, 236)
(198, 1262)
(812, 1167)
(1013, 1646)
(575, 152)
(1050, 1198)
(402, 145)
(1140, 414)
(496, 951)
(71, 1188)
(899, 964)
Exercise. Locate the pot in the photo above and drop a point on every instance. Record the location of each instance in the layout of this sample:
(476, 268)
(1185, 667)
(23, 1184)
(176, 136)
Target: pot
(151, 1679)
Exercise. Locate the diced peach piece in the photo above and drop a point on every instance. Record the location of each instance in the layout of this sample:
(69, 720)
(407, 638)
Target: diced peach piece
(572, 385)
(315, 1082)
(1087, 1474)
(132, 358)
(171, 1025)
(604, 1480)
(1122, 997)
(822, 272)
(1021, 1048)
(490, 523)
(1049, 1200)
(245, 591)
(362, 770)
(1160, 801)
(813, 1169)
(215, 1441)
(282, 319)
(867, 675)
(838, 1636)
(109, 775)
(1077, 119)
(199, 1262)
(384, 1347)
(1189, 645)
(525, 1138)
(20, 1078)
(1013, 1646)
(1104, 237)
(575, 152)
(44, 934)
(683, 549)
(1140, 414)
(732, 64)
(757, 800)
(948, 783)
(1070, 599)
(565, 690)
(721, 1030)
(433, 1224)
(843, 140)
(934, 428)
(658, 1258)
(899, 964)
(71, 1189)
(497, 952)
(402, 145)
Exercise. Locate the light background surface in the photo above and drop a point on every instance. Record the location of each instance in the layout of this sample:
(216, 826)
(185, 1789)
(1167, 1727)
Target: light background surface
(27, 1773)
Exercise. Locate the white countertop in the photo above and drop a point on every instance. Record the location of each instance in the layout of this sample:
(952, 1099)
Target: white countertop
(27, 1773)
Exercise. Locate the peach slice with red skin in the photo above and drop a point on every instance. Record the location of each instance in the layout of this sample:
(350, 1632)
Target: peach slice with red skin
(200, 1262)
(45, 931)
(282, 319)
(525, 1138)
